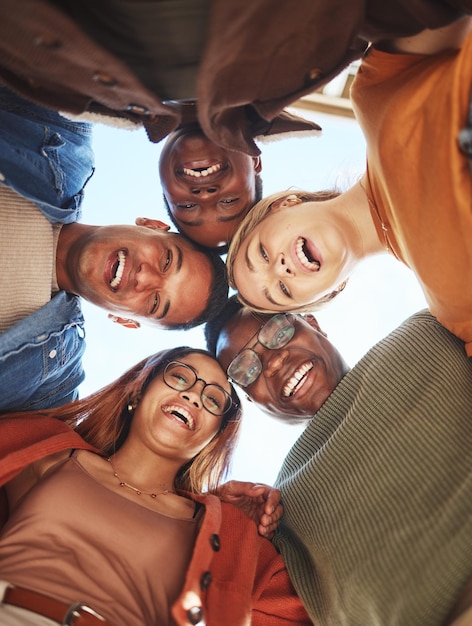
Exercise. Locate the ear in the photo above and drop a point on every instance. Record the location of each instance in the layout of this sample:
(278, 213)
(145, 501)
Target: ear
(287, 201)
(312, 321)
(124, 321)
(257, 164)
(152, 224)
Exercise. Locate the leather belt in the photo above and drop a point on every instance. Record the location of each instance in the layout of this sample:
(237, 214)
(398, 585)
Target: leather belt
(76, 614)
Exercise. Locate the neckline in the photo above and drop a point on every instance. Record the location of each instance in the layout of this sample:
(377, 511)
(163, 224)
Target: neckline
(116, 494)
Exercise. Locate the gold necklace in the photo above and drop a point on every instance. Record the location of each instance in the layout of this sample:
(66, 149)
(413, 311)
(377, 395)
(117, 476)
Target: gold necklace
(387, 245)
(140, 492)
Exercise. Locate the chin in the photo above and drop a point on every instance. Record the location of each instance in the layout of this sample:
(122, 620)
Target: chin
(289, 418)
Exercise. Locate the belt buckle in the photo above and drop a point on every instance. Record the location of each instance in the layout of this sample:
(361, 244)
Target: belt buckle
(75, 610)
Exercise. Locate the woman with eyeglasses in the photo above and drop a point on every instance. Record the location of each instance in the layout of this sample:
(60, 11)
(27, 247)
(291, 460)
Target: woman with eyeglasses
(109, 521)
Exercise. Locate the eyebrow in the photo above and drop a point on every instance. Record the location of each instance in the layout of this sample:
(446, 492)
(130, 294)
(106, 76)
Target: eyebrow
(179, 262)
(251, 268)
(221, 218)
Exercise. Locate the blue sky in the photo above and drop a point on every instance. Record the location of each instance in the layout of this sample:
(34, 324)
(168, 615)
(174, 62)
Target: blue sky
(380, 295)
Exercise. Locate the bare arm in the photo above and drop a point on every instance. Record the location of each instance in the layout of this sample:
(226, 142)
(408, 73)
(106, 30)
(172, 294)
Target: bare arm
(431, 41)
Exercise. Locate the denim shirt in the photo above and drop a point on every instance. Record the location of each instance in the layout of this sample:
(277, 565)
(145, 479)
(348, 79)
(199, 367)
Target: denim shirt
(47, 159)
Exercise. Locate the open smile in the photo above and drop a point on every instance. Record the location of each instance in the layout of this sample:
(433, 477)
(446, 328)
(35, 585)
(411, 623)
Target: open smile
(181, 414)
(306, 255)
(115, 269)
(297, 380)
(202, 170)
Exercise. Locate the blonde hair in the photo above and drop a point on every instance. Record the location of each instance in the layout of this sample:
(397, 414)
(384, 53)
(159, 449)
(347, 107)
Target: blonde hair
(258, 214)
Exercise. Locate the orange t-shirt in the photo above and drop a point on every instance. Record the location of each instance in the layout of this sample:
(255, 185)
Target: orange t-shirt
(411, 109)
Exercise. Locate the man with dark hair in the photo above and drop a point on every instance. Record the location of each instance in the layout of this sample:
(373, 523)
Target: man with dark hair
(140, 273)
(377, 489)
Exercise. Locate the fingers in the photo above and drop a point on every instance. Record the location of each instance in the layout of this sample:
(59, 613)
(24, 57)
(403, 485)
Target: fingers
(268, 523)
(273, 499)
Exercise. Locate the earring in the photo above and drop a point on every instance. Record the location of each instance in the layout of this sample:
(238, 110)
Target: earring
(131, 408)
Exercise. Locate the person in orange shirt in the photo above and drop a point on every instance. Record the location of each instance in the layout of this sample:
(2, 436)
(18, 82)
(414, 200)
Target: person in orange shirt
(115, 521)
(412, 99)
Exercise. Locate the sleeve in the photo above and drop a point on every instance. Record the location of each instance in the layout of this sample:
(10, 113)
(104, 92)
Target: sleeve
(275, 602)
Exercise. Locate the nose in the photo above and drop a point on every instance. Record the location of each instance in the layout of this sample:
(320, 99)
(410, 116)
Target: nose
(284, 266)
(147, 277)
(274, 362)
(193, 396)
(205, 191)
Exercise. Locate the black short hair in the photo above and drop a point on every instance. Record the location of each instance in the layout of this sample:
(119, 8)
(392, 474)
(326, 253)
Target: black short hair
(220, 249)
(218, 290)
(214, 327)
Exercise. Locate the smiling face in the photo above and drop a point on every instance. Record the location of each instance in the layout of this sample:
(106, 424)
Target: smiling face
(296, 379)
(296, 255)
(209, 190)
(147, 274)
(175, 422)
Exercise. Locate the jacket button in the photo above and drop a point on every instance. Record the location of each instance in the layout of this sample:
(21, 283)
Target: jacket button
(205, 580)
(215, 543)
(53, 353)
(137, 109)
(195, 615)
(105, 79)
(314, 73)
(47, 41)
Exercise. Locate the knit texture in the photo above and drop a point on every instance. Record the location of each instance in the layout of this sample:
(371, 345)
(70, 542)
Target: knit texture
(378, 489)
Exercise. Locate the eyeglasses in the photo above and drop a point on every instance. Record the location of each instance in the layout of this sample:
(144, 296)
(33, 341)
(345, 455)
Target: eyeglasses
(181, 377)
(246, 366)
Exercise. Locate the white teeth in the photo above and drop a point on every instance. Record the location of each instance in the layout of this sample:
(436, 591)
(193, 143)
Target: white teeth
(198, 172)
(310, 265)
(182, 414)
(297, 380)
(114, 282)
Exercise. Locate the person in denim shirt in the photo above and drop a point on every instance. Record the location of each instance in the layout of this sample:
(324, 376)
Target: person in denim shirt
(41, 355)
(46, 160)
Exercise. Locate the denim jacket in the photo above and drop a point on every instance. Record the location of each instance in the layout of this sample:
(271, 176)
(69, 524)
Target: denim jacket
(47, 159)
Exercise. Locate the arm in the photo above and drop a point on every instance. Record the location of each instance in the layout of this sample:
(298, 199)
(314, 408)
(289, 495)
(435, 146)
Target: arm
(260, 502)
(275, 601)
(430, 41)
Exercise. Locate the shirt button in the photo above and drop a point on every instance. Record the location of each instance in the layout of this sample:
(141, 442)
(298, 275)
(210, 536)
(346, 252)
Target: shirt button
(215, 543)
(314, 73)
(137, 109)
(53, 353)
(47, 41)
(195, 615)
(105, 79)
(205, 580)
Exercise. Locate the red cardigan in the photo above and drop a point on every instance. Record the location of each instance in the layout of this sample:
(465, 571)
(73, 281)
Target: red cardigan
(235, 577)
